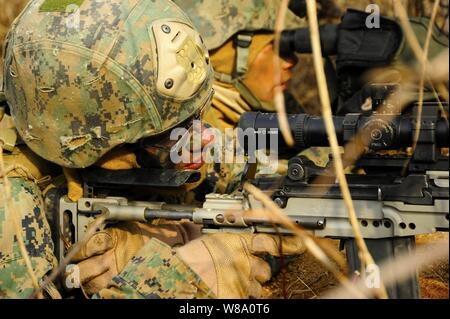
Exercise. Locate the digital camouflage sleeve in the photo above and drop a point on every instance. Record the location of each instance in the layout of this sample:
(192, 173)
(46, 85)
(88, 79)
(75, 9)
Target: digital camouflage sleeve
(15, 281)
(156, 272)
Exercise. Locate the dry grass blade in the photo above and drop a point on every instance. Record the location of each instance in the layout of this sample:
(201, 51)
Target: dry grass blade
(279, 97)
(92, 228)
(365, 257)
(309, 288)
(277, 215)
(443, 91)
(424, 63)
(398, 270)
(441, 106)
(9, 207)
(437, 71)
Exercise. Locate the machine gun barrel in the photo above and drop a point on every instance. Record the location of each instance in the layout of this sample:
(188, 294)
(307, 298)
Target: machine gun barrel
(219, 213)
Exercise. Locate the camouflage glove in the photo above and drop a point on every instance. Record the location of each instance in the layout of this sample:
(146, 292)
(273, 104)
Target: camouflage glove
(107, 252)
(229, 265)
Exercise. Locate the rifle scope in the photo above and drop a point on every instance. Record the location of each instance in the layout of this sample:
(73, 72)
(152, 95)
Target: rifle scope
(377, 132)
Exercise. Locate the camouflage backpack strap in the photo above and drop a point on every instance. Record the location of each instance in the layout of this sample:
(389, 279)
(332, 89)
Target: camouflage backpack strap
(242, 41)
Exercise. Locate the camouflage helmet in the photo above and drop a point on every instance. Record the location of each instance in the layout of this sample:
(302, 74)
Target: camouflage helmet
(83, 76)
(218, 20)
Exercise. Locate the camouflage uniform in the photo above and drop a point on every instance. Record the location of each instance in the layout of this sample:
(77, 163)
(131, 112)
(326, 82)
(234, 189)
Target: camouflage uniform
(82, 77)
(28, 204)
(166, 276)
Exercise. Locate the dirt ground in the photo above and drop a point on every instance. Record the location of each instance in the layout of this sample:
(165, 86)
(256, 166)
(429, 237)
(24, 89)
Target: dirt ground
(306, 278)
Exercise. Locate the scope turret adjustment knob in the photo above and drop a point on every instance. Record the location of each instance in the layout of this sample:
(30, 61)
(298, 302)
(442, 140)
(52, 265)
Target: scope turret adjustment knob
(378, 134)
(296, 172)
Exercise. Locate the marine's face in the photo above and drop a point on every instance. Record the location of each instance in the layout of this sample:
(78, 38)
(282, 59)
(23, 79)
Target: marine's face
(191, 159)
(260, 78)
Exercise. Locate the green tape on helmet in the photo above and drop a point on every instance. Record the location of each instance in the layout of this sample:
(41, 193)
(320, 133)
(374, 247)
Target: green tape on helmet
(59, 5)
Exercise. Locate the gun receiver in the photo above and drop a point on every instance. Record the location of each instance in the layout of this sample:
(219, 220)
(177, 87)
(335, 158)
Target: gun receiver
(322, 213)
(219, 213)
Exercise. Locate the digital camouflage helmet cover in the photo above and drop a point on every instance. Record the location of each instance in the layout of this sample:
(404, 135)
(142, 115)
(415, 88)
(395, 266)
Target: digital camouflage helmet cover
(84, 76)
(218, 20)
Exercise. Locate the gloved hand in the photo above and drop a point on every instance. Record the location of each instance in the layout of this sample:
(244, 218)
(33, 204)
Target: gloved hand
(107, 252)
(229, 265)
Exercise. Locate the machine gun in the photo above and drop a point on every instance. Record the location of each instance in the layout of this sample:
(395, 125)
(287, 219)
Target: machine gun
(392, 204)
(392, 207)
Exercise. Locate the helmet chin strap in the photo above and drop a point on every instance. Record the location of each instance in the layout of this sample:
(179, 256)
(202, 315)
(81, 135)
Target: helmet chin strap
(242, 42)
